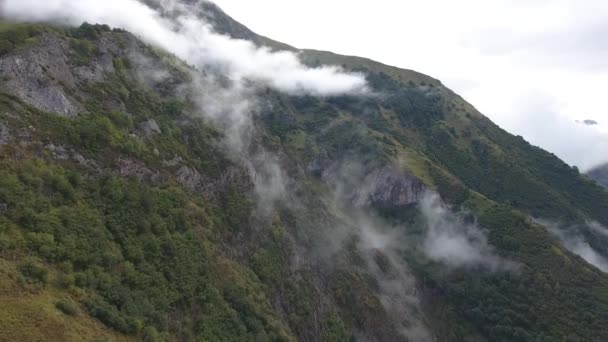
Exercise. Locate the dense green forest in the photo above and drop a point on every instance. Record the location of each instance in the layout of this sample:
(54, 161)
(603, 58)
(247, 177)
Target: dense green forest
(130, 221)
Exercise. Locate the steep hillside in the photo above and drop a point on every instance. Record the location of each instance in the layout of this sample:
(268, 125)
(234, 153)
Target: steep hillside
(134, 204)
(600, 175)
(476, 146)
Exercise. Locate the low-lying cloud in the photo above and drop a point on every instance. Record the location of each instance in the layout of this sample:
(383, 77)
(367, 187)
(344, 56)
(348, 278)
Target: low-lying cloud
(380, 246)
(447, 238)
(573, 239)
(228, 71)
(383, 246)
(193, 40)
(452, 241)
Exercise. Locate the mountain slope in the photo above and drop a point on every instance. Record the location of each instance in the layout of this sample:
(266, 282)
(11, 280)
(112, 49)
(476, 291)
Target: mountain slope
(119, 197)
(478, 136)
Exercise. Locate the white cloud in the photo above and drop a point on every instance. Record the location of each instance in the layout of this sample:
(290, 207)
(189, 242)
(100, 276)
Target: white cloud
(194, 41)
(537, 116)
(573, 240)
(556, 49)
(454, 242)
(228, 106)
(496, 53)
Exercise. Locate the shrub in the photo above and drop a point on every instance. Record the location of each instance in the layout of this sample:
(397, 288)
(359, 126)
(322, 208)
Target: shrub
(89, 31)
(65, 281)
(68, 307)
(6, 46)
(109, 315)
(15, 35)
(84, 50)
(34, 271)
(150, 334)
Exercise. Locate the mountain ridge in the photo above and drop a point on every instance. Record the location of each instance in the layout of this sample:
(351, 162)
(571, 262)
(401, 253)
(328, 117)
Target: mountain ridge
(152, 178)
(224, 24)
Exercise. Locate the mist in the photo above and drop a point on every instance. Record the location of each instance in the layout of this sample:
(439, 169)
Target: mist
(437, 234)
(446, 237)
(232, 106)
(194, 41)
(227, 72)
(573, 239)
(454, 242)
(379, 244)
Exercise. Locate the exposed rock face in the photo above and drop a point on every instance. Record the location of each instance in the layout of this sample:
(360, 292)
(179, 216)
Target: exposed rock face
(5, 135)
(58, 151)
(192, 180)
(133, 168)
(149, 128)
(189, 178)
(48, 76)
(390, 188)
(381, 186)
(44, 75)
(41, 76)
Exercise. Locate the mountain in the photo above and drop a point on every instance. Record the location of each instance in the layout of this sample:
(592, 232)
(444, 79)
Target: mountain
(600, 175)
(145, 198)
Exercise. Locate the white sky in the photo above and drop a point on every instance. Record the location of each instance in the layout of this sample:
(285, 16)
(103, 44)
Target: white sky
(532, 66)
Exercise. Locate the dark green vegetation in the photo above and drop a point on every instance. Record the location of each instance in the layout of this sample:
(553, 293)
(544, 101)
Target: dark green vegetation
(13, 36)
(101, 223)
(141, 258)
(600, 175)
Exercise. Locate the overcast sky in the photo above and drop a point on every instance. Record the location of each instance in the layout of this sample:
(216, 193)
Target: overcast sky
(532, 66)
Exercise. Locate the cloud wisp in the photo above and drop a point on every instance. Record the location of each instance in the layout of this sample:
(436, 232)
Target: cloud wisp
(380, 246)
(452, 241)
(384, 247)
(447, 238)
(573, 239)
(193, 40)
(228, 72)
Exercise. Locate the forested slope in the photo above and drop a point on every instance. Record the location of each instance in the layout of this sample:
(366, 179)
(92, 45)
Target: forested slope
(123, 214)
